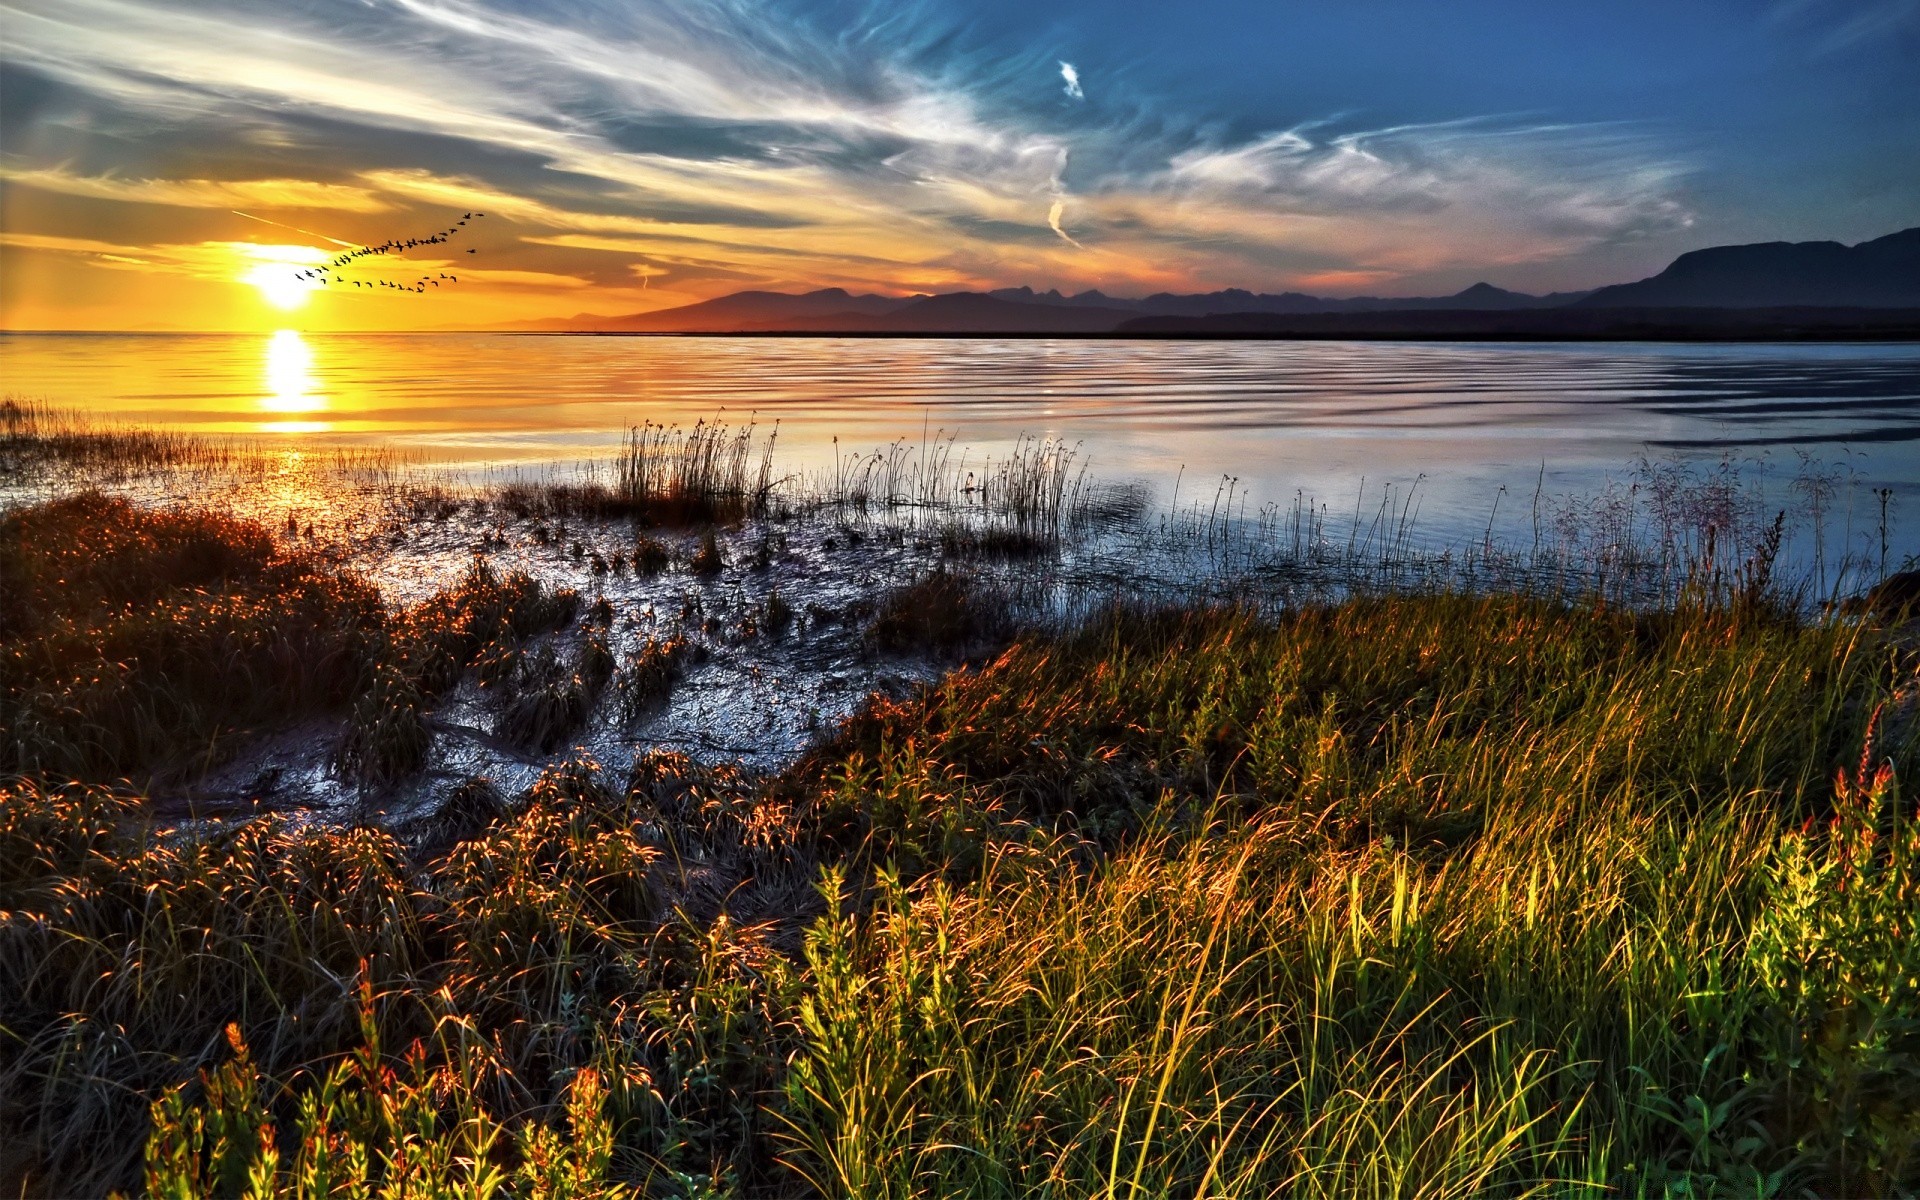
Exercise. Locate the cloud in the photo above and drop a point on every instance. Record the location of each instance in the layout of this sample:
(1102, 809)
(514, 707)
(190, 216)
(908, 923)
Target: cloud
(1423, 197)
(1826, 28)
(204, 193)
(739, 143)
(1053, 222)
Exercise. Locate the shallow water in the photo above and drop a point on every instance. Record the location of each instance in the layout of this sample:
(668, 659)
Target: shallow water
(1538, 448)
(1334, 421)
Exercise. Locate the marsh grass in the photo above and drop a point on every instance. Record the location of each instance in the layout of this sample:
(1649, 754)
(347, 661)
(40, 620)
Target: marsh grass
(36, 437)
(150, 643)
(60, 451)
(647, 679)
(1433, 896)
(1438, 895)
(551, 698)
(706, 474)
(1559, 888)
(135, 640)
(384, 1006)
(941, 611)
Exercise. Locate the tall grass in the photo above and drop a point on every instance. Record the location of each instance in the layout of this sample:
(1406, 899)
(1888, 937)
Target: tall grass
(709, 473)
(1439, 894)
(1435, 897)
(145, 643)
(394, 1015)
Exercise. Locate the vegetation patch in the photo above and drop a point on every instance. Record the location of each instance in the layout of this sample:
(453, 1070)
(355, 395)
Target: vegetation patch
(142, 642)
(649, 675)
(941, 611)
(1446, 894)
(134, 640)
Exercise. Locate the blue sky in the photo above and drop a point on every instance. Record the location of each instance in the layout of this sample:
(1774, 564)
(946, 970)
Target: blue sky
(631, 155)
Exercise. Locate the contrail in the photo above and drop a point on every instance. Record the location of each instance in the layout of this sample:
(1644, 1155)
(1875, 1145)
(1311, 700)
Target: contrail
(282, 224)
(1053, 219)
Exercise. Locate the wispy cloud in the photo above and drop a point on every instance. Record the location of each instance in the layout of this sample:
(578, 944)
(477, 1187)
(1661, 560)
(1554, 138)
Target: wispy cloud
(204, 193)
(682, 144)
(1828, 27)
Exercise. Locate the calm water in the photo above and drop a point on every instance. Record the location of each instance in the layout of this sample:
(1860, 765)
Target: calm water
(1323, 419)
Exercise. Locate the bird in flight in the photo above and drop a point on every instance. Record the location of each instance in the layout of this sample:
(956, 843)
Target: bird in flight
(333, 270)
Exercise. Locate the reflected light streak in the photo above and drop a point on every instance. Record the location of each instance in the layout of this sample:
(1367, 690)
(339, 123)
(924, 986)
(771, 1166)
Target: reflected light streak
(289, 382)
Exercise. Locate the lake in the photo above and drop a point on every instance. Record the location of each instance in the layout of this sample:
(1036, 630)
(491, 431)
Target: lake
(1334, 421)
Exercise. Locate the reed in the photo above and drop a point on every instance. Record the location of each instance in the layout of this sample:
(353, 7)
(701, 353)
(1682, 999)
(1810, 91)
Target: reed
(37, 439)
(1442, 894)
(1461, 892)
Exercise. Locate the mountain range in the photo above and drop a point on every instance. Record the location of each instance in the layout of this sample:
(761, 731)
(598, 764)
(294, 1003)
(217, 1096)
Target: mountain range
(1764, 285)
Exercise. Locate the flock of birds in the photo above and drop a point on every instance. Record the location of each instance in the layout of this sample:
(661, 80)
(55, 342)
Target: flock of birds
(330, 273)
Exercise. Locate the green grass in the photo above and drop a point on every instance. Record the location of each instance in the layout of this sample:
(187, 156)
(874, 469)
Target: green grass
(1413, 897)
(1432, 895)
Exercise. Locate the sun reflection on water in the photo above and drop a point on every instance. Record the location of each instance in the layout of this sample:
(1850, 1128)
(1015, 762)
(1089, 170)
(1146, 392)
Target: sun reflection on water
(290, 386)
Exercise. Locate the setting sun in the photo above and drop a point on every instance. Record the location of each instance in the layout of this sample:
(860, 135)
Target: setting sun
(277, 272)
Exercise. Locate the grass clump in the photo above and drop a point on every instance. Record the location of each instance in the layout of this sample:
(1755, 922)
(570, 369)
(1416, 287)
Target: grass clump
(650, 556)
(134, 640)
(941, 611)
(649, 676)
(550, 699)
(148, 643)
(707, 559)
(1440, 895)
(1444, 894)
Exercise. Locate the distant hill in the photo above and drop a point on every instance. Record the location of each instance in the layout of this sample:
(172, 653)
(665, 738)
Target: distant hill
(1883, 273)
(1479, 297)
(958, 312)
(1796, 276)
(1574, 323)
(1005, 310)
(727, 314)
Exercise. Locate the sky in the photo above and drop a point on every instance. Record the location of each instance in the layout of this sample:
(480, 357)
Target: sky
(178, 165)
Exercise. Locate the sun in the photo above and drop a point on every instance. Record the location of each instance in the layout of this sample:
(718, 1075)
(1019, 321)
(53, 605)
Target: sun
(280, 285)
(277, 272)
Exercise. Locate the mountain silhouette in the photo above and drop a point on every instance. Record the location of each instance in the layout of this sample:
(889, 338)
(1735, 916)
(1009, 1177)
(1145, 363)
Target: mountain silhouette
(1793, 280)
(1883, 273)
(1004, 310)
(959, 312)
(725, 314)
